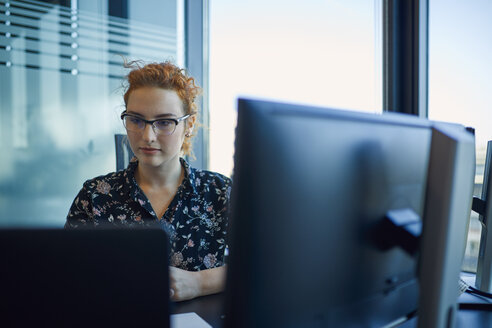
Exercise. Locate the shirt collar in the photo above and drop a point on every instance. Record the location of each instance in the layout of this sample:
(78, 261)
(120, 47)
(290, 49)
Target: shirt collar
(190, 180)
(130, 180)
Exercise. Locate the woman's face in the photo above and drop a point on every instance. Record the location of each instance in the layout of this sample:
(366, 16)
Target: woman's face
(152, 103)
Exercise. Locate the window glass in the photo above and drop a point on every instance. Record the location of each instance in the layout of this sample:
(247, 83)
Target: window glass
(460, 83)
(60, 96)
(317, 52)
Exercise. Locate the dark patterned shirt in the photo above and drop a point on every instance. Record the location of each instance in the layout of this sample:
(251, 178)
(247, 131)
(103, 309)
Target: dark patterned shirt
(195, 220)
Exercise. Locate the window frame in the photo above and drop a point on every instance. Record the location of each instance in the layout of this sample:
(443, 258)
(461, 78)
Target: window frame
(405, 56)
(197, 64)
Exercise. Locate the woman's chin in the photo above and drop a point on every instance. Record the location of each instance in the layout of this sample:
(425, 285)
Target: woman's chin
(151, 160)
(155, 161)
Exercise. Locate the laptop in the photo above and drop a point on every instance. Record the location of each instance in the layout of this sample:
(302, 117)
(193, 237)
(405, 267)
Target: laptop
(84, 278)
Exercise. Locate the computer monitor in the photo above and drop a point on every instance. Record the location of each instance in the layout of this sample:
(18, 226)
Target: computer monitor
(84, 278)
(312, 187)
(448, 203)
(483, 206)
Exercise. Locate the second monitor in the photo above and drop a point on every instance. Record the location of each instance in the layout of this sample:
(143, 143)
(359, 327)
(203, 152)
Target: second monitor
(311, 185)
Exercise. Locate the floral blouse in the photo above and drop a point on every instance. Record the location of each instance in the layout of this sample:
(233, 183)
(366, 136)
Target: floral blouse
(195, 220)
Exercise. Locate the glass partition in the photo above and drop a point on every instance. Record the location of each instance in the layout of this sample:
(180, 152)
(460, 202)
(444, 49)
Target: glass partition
(60, 97)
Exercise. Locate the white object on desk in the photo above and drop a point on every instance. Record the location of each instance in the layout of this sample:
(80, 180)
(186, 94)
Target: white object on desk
(188, 320)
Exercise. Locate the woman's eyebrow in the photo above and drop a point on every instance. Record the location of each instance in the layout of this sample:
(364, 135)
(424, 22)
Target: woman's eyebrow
(134, 113)
(165, 115)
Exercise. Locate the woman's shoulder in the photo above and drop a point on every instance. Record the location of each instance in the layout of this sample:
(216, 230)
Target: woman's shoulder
(200, 178)
(107, 181)
(210, 184)
(203, 177)
(211, 175)
(210, 187)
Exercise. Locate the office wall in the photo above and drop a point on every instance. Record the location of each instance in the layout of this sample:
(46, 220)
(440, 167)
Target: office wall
(60, 96)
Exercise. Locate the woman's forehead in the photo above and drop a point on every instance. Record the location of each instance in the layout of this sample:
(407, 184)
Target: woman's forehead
(155, 102)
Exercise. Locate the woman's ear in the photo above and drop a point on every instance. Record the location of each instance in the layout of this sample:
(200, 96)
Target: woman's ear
(190, 125)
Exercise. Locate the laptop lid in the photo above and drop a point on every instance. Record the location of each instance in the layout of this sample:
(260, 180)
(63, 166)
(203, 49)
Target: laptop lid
(84, 278)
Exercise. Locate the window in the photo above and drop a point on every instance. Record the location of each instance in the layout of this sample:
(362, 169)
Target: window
(460, 82)
(318, 52)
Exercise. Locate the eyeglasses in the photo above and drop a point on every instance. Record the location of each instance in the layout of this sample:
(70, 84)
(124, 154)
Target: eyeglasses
(163, 126)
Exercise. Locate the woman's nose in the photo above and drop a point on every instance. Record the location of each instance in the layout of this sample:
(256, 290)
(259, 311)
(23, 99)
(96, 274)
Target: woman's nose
(149, 133)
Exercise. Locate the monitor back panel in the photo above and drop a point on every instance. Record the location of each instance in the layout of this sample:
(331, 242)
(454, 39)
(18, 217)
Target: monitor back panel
(310, 184)
(85, 278)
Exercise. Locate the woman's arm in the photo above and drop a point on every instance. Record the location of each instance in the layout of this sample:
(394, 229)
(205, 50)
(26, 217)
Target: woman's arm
(186, 285)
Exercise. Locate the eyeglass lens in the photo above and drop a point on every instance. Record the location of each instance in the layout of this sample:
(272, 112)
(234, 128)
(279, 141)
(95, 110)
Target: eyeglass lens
(160, 126)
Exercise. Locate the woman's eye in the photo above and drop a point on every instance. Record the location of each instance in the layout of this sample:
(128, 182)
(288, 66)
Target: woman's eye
(135, 120)
(163, 123)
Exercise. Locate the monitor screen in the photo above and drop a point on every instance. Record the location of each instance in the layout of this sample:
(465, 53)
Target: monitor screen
(310, 184)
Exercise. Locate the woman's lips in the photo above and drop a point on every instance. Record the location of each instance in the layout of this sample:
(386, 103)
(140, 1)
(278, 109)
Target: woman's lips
(149, 150)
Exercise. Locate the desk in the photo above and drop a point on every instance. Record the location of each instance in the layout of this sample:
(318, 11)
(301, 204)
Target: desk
(210, 308)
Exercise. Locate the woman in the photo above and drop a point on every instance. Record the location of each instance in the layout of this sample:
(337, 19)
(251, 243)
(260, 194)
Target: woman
(159, 186)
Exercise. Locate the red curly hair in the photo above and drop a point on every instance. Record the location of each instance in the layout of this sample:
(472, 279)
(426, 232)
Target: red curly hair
(166, 76)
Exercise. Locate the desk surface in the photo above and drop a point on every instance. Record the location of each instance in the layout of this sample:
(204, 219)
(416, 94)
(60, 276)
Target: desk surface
(210, 308)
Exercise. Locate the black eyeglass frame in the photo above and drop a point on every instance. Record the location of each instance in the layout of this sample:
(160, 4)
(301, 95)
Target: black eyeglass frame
(151, 122)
